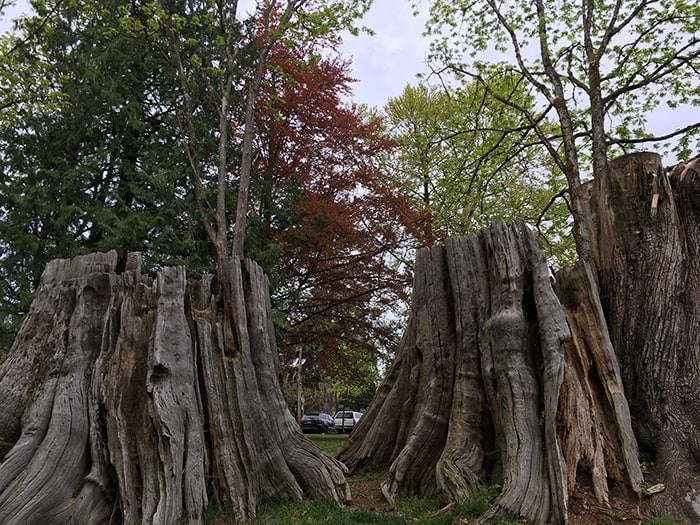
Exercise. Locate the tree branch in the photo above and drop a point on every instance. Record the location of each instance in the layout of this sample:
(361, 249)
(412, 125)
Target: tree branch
(661, 138)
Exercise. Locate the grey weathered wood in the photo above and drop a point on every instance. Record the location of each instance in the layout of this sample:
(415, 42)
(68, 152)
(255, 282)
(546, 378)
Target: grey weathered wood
(591, 396)
(524, 330)
(45, 427)
(151, 401)
(126, 397)
(473, 395)
(462, 463)
(259, 452)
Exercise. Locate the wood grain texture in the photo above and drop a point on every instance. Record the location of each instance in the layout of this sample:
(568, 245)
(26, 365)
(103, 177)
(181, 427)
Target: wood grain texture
(647, 237)
(475, 392)
(45, 426)
(138, 399)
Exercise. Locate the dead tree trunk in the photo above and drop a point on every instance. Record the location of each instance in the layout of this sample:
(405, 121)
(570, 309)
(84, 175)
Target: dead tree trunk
(483, 388)
(138, 400)
(646, 245)
(47, 433)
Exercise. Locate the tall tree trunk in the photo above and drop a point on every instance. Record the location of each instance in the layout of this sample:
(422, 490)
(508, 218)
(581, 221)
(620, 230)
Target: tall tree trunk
(490, 386)
(128, 397)
(646, 247)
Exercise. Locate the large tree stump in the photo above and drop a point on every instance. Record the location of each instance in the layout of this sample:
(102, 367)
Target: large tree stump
(138, 398)
(47, 421)
(645, 226)
(489, 386)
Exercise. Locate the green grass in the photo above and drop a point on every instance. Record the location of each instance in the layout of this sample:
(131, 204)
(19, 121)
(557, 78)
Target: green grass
(313, 512)
(408, 510)
(479, 502)
(329, 443)
(425, 512)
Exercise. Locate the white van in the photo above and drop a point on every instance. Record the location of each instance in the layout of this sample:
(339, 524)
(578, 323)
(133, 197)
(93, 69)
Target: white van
(346, 420)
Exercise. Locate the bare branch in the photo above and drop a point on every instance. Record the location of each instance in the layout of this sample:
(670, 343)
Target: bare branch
(190, 136)
(518, 53)
(663, 69)
(655, 138)
(270, 38)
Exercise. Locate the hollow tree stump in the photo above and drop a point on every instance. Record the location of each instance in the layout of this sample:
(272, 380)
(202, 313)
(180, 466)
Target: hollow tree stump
(480, 391)
(139, 398)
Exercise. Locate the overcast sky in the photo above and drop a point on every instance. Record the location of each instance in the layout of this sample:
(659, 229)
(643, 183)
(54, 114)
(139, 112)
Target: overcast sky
(382, 64)
(385, 62)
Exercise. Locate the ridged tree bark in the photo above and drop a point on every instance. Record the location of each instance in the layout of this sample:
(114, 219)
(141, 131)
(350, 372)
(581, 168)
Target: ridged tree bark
(490, 385)
(645, 226)
(138, 400)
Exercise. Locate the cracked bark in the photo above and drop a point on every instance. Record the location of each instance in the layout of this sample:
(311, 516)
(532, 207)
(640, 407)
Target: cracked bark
(141, 399)
(482, 389)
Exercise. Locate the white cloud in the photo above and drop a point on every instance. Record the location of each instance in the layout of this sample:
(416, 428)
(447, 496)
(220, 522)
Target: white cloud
(384, 63)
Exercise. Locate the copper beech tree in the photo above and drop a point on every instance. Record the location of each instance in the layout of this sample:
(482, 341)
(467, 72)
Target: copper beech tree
(331, 224)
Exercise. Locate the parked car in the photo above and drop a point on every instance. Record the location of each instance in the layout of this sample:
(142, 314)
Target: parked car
(317, 422)
(345, 420)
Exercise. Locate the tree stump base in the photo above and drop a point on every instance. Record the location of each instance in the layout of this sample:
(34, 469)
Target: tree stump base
(143, 398)
(490, 385)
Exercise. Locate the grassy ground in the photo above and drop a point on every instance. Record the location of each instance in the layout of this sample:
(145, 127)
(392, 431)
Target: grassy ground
(425, 512)
(310, 512)
(329, 443)
(364, 511)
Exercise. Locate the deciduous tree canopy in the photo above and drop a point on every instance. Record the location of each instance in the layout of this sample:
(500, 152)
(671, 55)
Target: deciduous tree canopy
(465, 158)
(597, 68)
(327, 217)
(101, 158)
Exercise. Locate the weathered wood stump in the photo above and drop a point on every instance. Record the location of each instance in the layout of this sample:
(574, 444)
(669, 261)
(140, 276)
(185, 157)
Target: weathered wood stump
(490, 385)
(646, 226)
(138, 398)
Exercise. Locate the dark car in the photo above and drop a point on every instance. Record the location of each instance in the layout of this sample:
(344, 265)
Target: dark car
(317, 422)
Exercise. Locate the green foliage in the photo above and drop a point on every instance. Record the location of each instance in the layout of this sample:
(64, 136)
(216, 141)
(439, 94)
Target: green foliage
(461, 160)
(321, 511)
(91, 156)
(646, 52)
(324, 18)
(593, 72)
(100, 133)
(354, 376)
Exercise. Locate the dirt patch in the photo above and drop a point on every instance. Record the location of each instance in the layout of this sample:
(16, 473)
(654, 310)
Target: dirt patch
(366, 492)
(584, 509)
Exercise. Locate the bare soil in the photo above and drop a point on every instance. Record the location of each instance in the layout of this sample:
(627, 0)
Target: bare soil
(585, 510)
(366, 494)
(583, 507)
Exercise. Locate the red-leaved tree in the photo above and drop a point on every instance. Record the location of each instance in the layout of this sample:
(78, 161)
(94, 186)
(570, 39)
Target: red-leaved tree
(330, 224)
